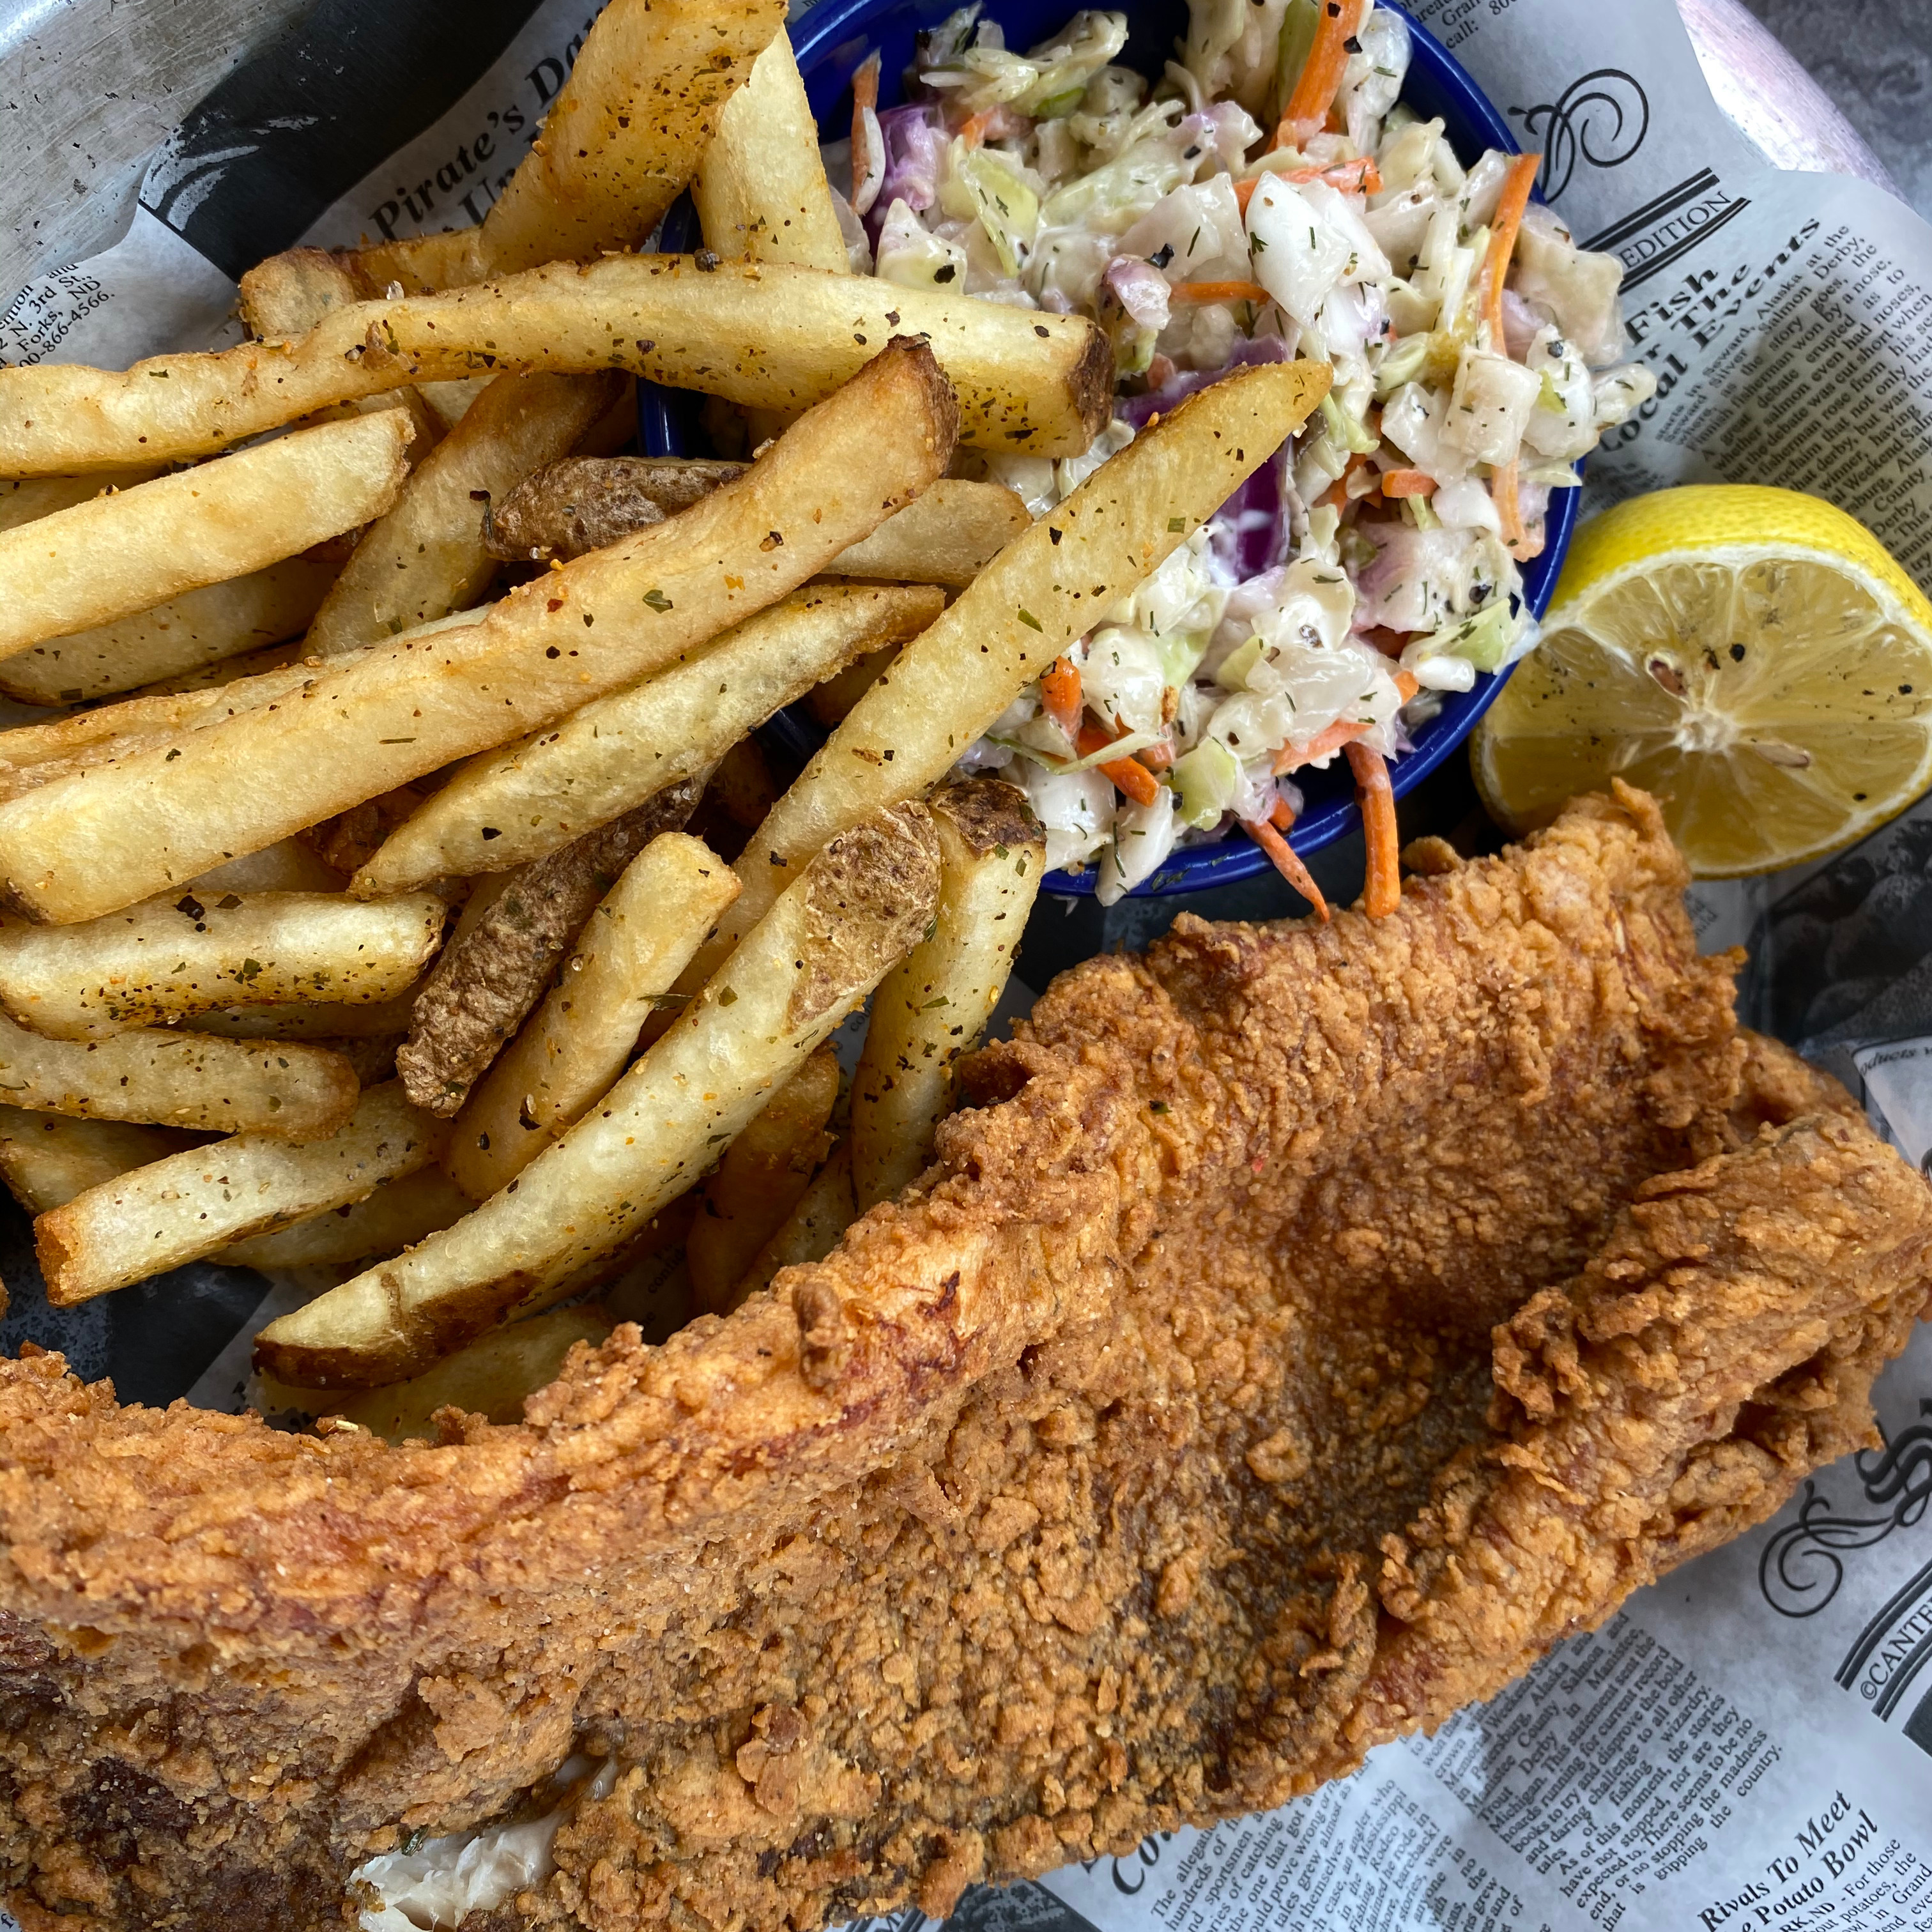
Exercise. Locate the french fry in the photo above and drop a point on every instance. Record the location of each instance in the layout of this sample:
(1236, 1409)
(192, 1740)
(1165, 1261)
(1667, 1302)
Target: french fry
(180, 1080)
(92, 842)
(1046, 588)
(931, 1007)
(113, 555)
(823, 946)
(45, 1159)
(618, 142)
(26, 499)
(398, 1214)
(812, 1230)
(573, 1049)
(194, 1203)
(164, 962)
(763, 1173)
(199, 628)
(516, 805)
(761, 191)
(763, 335)
(289, 865)
(425, 558)
(309, 1019)
(830, 702)
(948, 536)
(495, 969)
(493, 1378)
(289, 294)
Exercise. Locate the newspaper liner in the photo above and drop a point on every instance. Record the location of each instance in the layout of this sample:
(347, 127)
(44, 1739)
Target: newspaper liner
(1746, 1743)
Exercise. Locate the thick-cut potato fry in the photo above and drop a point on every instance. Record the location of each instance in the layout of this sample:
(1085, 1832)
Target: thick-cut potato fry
(113, 555)
(824, 946)
(1046, 588)
(948, 536)
(493, 1378)
(812, 1230)
(618, 142)
(830, 702)
(574, 1048)
(425, 558)
(95, 841)
(764, 335)
(933, 1005)
(194, 1203)
(529, 799)
(289, 866)
(309, 1019)
(180, 1080)
(760, 191)
(164, 961)
(45, 1159)
(764, 1172)
(289, 293)
(398, 1214)
(199, 628)
(26, 499)
(495, 971)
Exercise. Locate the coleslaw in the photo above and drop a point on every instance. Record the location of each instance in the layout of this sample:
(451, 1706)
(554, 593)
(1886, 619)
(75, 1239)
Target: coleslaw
(1270, 196)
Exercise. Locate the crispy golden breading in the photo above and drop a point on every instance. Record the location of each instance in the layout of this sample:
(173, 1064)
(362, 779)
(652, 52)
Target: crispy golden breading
(1185, 1433)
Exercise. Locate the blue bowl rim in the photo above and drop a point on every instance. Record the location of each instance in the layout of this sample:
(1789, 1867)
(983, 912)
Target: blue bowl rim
(836, 27)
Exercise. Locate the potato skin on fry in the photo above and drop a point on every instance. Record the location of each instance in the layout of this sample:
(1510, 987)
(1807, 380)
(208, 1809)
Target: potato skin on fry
(488, 979)
(633, 946)
(828, 941)
(948, 536)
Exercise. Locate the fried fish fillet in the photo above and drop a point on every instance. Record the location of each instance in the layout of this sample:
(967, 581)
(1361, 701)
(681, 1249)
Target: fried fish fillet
(1306, 1328)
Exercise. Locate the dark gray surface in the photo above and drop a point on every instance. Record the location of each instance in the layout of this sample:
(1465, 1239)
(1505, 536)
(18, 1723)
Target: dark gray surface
(1874, 59)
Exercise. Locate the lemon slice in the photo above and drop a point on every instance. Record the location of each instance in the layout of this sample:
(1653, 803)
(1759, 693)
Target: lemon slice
(1752, 657)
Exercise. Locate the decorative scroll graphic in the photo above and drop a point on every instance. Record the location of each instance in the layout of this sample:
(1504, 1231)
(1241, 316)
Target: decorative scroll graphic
(1803, 1564)
(1600, 119)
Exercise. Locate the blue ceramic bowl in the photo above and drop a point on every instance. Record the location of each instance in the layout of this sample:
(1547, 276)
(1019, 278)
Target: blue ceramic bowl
(830, 41)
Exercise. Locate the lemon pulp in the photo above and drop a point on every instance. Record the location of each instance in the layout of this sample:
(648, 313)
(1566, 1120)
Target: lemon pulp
(1752, 657)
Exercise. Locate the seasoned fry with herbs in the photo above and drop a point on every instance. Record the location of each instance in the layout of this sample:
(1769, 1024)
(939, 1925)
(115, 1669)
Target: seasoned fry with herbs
(1027, 382)
(426, 557)
(180, 1080)
(932, 1006)
(567, 1058)
(189, 633)
(763, 1174)
(760, 192)
(618, 142)
(1045, 589)
(494, 972)
(398, 1214)
(515, 805)
(95, 841)
(948, 536)
(194, 1203)
(45, 1159)
(113, 555)
(828, 941)
(168, 960)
